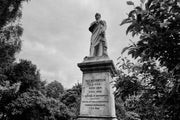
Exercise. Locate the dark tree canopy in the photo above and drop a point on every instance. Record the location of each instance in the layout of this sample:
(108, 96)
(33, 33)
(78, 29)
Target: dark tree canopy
(146, 91)
(157, 25)
(33, 105)
(10, 11)
(71, 98)
(54, 89)
(22, 93)
(10, 30)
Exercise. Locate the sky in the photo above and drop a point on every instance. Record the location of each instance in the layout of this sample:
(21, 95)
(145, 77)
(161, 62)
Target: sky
(56, 35)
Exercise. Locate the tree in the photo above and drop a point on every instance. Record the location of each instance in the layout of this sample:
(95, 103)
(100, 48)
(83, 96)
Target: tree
(10, 11)
(127, 84)
(10, 44)
(157, 25)
(26, 73)
(158, 28)
(54, 90)
(7, 94)
(10, 30)
(33, 105)
(144, 89)
(18, 79)
(20, 84)
(71, 98)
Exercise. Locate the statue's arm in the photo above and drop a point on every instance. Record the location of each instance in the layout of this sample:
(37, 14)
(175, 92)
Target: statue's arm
(105, 25)
(92, 26)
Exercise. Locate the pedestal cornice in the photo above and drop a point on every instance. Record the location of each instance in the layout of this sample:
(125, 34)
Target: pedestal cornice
(98, 66)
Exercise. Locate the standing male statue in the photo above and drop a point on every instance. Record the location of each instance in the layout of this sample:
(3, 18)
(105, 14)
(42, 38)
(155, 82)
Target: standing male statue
(98, 40)
(97, 98)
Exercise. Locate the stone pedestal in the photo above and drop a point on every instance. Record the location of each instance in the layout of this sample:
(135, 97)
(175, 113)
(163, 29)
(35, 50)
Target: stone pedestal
(97, 99)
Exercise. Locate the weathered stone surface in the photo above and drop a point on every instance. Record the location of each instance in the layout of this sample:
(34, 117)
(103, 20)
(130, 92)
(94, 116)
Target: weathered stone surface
(100, 65)
(98, 46)
(98, 118)
(97, 100)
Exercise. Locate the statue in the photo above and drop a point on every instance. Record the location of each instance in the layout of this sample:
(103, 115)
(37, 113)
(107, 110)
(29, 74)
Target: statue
(98, 45)
(98, 70)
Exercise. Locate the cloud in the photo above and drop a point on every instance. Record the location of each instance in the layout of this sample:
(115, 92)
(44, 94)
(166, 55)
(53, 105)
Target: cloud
(56, 35)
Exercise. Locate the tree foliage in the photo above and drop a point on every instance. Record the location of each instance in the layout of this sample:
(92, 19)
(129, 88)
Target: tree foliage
(54, 90)
(22, 92)
(71, 98)
(10, 11)
(157, 25)
(34, 105)
(150, 97)
(10, 30)
(127, 84)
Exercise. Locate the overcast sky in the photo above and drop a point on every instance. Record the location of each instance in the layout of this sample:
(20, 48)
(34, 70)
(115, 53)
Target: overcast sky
(56, 35)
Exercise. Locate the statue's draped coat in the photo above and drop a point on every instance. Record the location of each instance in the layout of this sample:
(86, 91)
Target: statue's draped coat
(98, 39)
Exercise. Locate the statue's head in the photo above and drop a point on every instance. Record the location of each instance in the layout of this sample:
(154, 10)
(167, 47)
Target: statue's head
(97, 16)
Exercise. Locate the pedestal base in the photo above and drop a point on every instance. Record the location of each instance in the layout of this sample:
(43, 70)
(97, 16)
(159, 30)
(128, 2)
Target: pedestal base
(97, 99)
(96, 118)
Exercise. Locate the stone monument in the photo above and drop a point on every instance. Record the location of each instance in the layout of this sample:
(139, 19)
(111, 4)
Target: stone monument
(97, 99)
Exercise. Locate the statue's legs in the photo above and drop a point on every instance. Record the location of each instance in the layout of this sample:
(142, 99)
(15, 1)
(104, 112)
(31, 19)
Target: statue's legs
(104, 49)
(99, 50)
(94, 51)
(91, 51)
